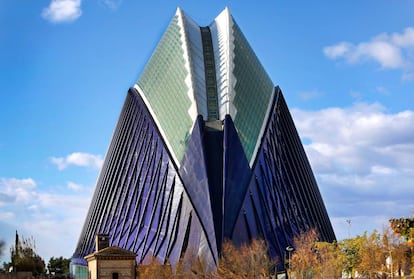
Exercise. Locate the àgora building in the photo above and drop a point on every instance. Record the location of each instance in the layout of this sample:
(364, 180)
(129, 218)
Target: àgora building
(204, 150)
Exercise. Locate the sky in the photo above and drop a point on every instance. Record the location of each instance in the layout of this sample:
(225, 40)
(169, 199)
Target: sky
(346, 69)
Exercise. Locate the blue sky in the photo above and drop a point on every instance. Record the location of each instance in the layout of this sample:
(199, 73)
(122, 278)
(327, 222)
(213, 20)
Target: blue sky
(346, 69)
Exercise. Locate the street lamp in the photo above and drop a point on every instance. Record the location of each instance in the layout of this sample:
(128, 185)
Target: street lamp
(349, 227)
(289, 249)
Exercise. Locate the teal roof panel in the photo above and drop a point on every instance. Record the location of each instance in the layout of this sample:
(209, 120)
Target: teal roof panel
(164, 87)
(252, 93)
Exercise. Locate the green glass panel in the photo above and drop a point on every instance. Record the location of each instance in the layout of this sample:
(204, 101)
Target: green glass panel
(253, 91)
(163, 84)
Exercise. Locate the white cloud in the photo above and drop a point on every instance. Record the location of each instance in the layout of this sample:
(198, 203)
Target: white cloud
(111, 4)
(59, 162)
(376, 169)
(363, 158)
(385, 53)
(389, 51)
(62, 216)
(404, 40)
(32, 211)
(79, 159)
(74, 187)
(13, 190)
(62, 11)
(337, 50)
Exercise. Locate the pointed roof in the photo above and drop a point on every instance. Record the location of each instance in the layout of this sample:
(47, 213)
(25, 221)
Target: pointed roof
(199, 70)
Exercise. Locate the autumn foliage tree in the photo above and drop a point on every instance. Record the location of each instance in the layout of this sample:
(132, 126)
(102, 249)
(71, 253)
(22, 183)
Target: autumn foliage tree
(404, 227)
(397, 253)
(154, 270)
(373, 256)
(315, 259)
(350, 249)
(304, 261)
(248, 261)
(331, 259)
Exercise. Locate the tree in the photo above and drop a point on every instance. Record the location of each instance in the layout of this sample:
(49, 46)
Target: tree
(404, 227)
(331, 259)
(373, 256)
(350, 249)
(154, 270)
(2, 244)
(188, 268)
(315, 259)
(304, 262)
(58, 265)
(24, 257)
(397, 253)
(248, 261)
(370, 256)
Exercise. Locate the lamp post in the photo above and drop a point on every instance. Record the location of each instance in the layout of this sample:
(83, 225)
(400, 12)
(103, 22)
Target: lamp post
(349, 227)
(289, 249)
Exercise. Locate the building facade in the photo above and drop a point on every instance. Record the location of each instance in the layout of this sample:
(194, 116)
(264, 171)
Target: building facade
(111, 263)
(204, 150)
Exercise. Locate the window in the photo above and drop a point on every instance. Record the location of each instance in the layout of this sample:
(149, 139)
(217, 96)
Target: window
(115, 275)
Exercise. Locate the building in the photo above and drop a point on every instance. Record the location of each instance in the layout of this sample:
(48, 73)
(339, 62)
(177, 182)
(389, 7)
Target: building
(110, 262)
(204, 150)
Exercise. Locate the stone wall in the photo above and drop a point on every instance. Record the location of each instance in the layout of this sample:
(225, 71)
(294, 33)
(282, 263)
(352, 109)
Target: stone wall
(106, 269)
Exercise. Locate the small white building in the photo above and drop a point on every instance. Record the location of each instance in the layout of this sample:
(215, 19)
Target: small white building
(111, 262)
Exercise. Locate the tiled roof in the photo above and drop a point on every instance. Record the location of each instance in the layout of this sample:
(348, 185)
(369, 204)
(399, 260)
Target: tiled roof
(112, 252)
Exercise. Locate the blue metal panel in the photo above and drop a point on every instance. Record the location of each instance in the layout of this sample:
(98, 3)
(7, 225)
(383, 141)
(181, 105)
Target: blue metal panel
(144, 205)
(213, 146)
(193, 172)
(282, 197)
(151, 208)
(236, 173)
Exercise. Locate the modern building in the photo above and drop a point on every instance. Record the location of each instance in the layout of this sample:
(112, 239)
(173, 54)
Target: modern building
(205, 150)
